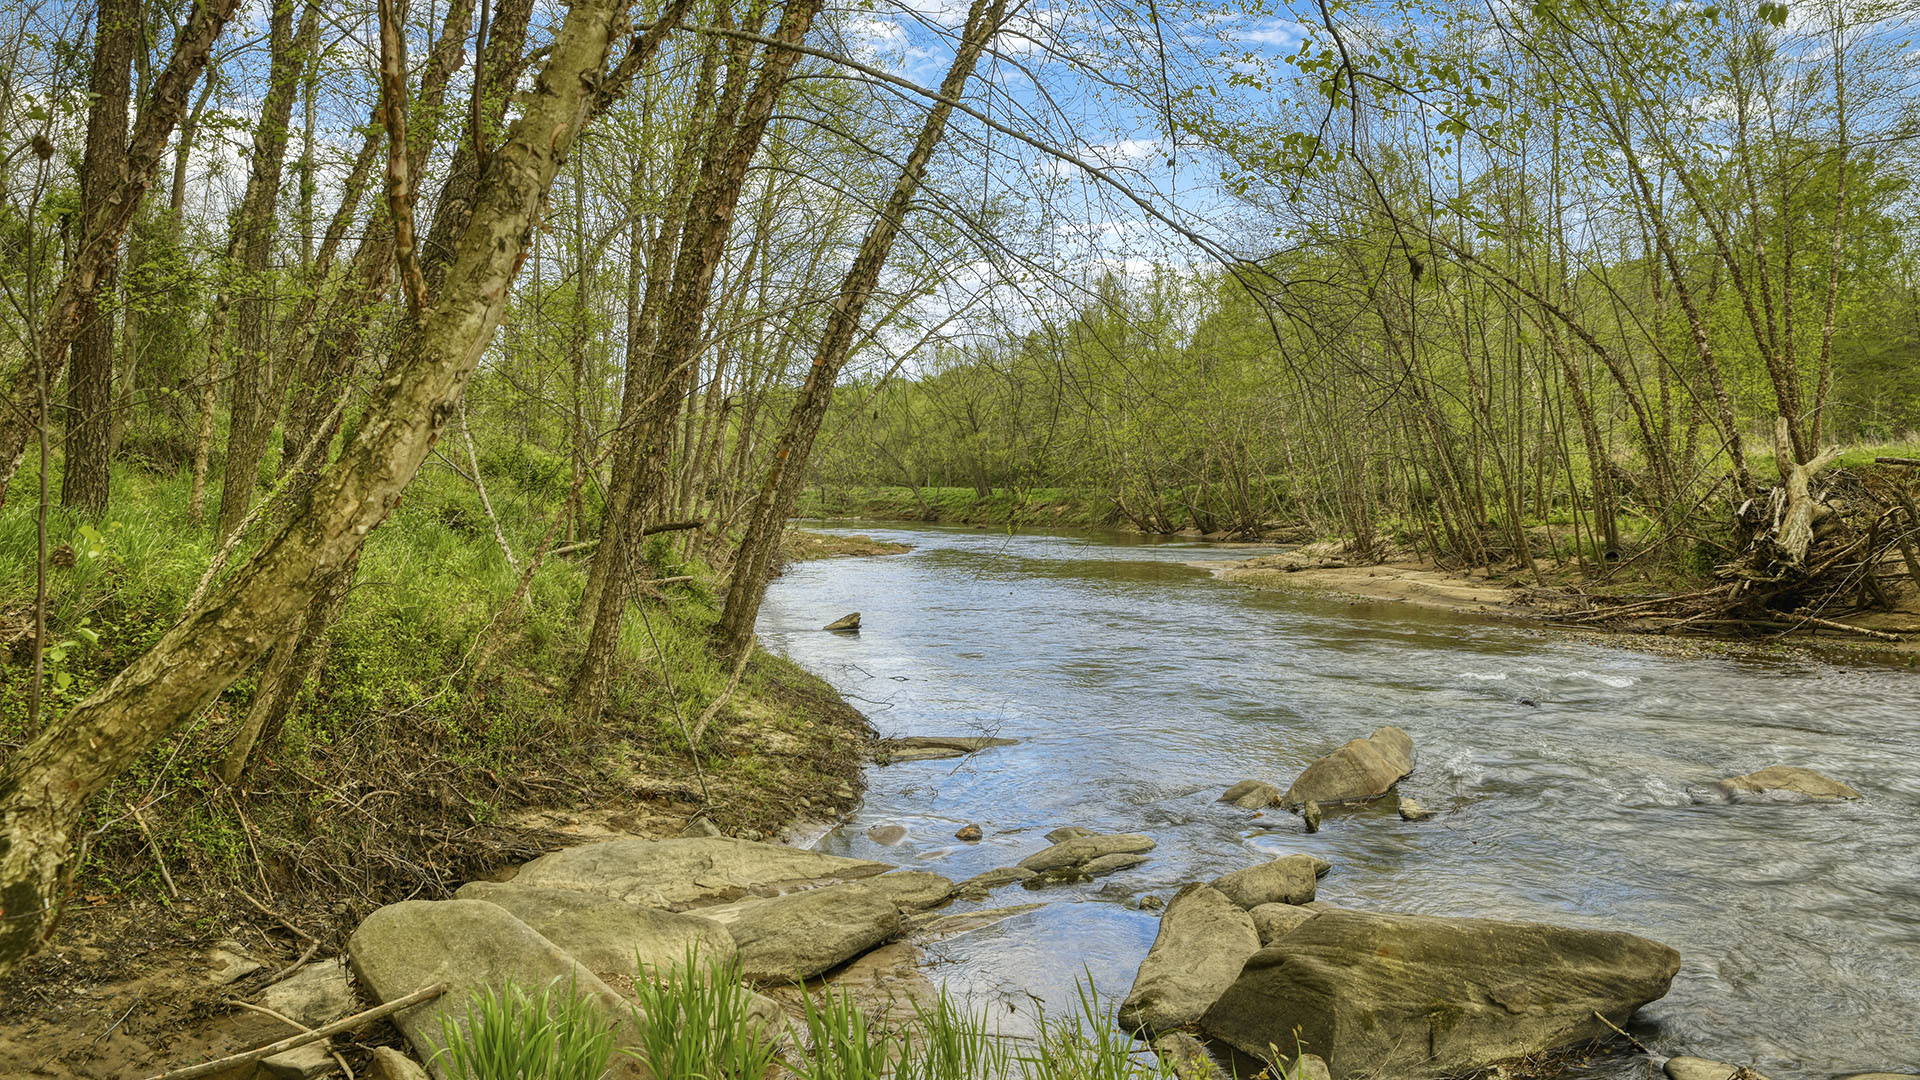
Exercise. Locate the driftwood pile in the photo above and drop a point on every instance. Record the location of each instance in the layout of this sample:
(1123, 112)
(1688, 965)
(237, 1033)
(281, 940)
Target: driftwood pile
(1817, 548)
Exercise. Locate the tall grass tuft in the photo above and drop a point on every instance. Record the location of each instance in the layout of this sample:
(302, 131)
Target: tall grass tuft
(698, 1024)
(843, 1043)
(1085, 1046)
(547, 1035)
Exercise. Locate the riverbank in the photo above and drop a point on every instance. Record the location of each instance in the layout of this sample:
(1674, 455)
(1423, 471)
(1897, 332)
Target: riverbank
(1553, 598)
(434, 747)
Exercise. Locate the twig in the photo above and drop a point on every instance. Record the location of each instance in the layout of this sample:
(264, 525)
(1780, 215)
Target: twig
(322, 436)
(246, 830)
(276, 916)
(480, 483)
(1912, 462)
(733, 682)
(1638, 1045)
(296, 965)
(209, 1068)
(673, 695)
(172, 889)
(295, 1025)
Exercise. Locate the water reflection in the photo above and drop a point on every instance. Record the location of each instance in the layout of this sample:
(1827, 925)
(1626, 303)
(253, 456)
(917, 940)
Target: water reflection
(1566, 770)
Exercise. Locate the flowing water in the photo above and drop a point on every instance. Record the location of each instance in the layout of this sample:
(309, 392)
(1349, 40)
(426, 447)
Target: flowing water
(1569, 772)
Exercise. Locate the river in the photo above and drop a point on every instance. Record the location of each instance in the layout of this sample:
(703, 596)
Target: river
(1566, 769)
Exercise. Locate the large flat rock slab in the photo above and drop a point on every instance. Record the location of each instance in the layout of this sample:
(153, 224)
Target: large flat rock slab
(798, 936)
(472, 946)
(687, 871)
(1204, 940)
(1418, 996)
(1361, 769)
(610, 937)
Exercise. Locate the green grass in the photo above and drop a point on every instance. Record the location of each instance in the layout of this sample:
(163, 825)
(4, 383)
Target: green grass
(548, 1034)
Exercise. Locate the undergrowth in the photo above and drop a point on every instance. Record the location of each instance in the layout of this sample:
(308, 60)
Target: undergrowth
(436, 743)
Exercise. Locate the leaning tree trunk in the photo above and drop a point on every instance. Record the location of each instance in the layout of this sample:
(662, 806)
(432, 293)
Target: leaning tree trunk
(104, 223)
(787, 471)
(47, 783)
(709, 223)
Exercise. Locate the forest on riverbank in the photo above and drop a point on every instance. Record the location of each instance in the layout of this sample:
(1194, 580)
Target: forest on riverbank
(405, 403)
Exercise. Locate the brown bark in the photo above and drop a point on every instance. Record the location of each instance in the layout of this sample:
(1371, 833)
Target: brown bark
(716, 195)
(786, 472)
(48, 782)
(250, 250)
(102, 225)
(89, 442)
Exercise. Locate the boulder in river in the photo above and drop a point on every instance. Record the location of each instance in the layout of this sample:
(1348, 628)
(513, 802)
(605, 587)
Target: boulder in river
(844, 622)
(1083, 849)
(1292, 879)
(790, 938)
(472, 946)
(1787, 778)
(1420, 996)
(1251, 795)
(610, 937)
(687, 870)
(1204, 940)
(969, 833)
(1360, 770)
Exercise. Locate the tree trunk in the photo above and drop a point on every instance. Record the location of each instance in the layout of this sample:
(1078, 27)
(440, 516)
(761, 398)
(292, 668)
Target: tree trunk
(787, 471)
(48, 782)
(83, 481)
(102, 226)
(253, 415)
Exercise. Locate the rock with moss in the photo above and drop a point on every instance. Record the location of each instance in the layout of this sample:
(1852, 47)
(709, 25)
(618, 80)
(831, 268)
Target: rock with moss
(1417, 996)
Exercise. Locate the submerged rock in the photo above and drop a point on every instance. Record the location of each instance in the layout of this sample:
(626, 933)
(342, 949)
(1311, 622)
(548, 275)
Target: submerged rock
(610, 937)
(1788, 778)
(887, 834)
(933, 747)
(1204, 940)
(979, 885)
(1251, 795)
(1419, 996)
(1693, 1068)
(845, 622)
(1360, 770)
(1083, 849)
(1413, 811)
(1292, 879)
(1067, 832)
(686, 870)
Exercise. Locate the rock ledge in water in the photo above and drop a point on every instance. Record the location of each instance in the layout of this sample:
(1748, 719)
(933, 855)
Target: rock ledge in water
(1085, 849)
(1789, 778)
(1251, 795)
(844, 622)
(1292, 879)
(1419, 996)
(932, 747)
